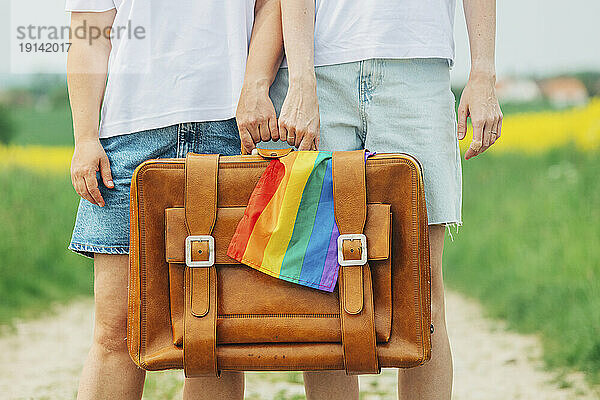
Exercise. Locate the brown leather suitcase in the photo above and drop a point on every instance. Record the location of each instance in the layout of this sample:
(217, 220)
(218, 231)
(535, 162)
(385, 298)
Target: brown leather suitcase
(221, 315)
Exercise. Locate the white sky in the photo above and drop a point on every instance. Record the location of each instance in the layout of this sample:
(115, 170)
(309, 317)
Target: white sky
(538, 37)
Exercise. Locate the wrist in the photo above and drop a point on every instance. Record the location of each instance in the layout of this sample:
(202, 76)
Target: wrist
(257, 83)
(483, 70)
(82, 139)
(483, 76)
(303, 81)
(301, 73)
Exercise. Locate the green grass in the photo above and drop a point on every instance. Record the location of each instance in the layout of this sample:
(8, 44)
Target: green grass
(51, 127)
(529, 249)
(36, 219)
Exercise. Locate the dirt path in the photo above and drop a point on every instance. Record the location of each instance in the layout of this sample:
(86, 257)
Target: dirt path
(42, 359)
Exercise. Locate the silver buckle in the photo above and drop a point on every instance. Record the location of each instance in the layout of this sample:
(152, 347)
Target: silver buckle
(363, 243)
(211, 251)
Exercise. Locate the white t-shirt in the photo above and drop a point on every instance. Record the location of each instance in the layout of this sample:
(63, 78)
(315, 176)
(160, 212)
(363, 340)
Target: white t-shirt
(185, 62)
(354, 30)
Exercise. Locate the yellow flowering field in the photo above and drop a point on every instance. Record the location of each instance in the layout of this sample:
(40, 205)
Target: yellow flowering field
(527, 132)
(38, 158)
(541, 131)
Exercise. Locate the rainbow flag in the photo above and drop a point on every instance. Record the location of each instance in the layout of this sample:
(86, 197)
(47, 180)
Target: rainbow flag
(288, 230)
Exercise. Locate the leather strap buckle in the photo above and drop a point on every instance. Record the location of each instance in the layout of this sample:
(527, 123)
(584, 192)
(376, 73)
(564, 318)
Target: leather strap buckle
(200, 251)
(348, 243)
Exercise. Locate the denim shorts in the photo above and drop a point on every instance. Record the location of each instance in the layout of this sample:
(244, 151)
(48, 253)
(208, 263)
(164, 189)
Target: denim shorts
(394, 105)
(106, 229)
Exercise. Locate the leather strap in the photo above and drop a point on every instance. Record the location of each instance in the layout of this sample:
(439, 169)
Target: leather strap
(358, 330)
(200, 316)
(201, 193)
(355, 285)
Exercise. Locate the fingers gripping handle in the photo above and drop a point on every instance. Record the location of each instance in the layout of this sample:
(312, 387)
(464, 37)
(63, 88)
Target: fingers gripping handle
(271, 153)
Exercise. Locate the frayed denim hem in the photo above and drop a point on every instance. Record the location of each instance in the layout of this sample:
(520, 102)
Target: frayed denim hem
(87, 250)
(449, 226)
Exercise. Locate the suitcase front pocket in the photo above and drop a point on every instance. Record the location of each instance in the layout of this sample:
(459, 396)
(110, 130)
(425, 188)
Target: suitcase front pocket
(256, 308)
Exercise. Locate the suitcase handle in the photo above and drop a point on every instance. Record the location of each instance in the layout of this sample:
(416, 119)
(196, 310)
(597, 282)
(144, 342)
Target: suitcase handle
(270, 153)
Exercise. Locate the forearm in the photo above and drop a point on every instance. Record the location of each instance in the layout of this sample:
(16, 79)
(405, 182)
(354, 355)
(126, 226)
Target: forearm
(298, 18)
(299, 120)
(478, 100)
(85, 93)
(266, 45)
(480, 16)
(87, 69)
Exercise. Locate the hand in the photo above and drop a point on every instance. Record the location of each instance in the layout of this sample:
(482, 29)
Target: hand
(255, 115)
(88, 158)
(299, 121)
(479, 101)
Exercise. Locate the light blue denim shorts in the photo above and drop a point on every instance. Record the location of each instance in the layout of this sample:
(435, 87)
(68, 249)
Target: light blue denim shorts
(394, 105)
(106, 229)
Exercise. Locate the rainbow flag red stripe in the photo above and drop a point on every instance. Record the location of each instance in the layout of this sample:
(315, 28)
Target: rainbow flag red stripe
(288, 230)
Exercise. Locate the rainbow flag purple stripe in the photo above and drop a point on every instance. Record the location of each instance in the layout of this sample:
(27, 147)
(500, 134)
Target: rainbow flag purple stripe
(288, 230)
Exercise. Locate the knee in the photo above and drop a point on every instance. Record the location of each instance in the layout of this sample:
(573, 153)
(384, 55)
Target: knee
(110, 334)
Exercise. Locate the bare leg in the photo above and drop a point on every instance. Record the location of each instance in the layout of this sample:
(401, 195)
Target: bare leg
(230, 386)
(330, 385)
(432, 381)
(109, 372)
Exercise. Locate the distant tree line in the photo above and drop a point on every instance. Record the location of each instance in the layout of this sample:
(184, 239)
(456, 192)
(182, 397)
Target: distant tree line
(591, 81)
(7, 125)
(45, 91)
